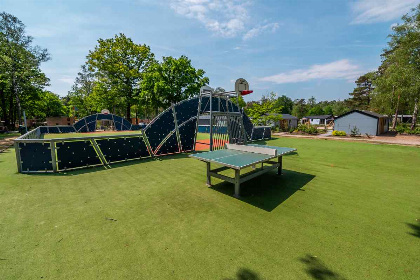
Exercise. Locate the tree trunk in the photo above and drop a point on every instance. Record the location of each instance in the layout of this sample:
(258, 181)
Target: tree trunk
(394, 122)
(4, 108)
(415, 112)
(128, 113)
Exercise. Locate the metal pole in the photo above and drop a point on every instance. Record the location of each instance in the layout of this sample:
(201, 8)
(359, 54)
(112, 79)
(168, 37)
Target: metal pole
(211, 120)
(280, 163)
(53, 156)
(237, 182)
(24, 121)
(208, 174)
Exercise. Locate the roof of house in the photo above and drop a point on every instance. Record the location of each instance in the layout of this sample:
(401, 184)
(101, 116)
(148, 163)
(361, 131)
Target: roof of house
(364, 112)
(321, 117)
(288, 117)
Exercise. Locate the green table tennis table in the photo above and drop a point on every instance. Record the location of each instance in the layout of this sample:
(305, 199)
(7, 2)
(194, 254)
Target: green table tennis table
(238, 157)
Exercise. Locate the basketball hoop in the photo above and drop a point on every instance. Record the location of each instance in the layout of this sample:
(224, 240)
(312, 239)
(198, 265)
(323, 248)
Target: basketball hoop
(242, 87)
(105, 111)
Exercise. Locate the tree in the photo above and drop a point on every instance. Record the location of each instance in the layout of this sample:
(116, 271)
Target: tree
(315, 111)
(48, 105)
(398, 82)
(264, 112)
(299, 108)
(362, 94)
(119, 66)
(285, 103)
(79, 101)
(20, 76)
(171, 81)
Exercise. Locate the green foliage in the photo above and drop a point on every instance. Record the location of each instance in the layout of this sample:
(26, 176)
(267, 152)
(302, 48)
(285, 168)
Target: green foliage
(80, 101)
(119, 65)
(308, 129)
(404, 128)
(315, 111)
(339, 133)
(285, 103)
(362, 94)
(299, 108)
(264, 112)
(171, 81)
(21, 79)
(46, 105)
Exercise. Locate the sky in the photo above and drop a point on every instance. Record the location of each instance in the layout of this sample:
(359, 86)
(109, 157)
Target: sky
(296, 48)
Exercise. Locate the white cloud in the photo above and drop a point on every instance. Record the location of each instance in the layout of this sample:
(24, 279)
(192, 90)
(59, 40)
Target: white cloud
(371, 11)
(225, 18)
(270, 27)
(340, 69)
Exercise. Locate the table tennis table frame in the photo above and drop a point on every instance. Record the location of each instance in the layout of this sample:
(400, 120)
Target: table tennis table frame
(238, 179)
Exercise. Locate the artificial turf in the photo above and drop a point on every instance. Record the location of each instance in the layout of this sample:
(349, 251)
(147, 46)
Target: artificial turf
(341, 210)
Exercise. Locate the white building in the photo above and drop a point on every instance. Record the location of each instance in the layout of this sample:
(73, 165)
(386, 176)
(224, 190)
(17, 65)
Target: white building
(365, 121)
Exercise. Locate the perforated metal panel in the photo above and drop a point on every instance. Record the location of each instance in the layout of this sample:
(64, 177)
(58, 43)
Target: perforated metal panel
(187, 135)
(35, 156)
(186, 109)
(74, 154)
(169, 147)
(118, 149)
(160, 128)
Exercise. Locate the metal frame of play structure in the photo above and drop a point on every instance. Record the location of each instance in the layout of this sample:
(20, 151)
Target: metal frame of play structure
(172, 131)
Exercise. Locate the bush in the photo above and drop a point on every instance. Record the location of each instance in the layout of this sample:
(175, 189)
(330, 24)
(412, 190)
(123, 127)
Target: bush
(307, 129)
(354, 132)
(339, 133)
(405, 128)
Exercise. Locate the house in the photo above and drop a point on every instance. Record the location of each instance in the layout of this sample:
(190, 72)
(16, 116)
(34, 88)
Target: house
(366, 122)
(288, 121)
(318, 120)
(51, 121)
(403, 118)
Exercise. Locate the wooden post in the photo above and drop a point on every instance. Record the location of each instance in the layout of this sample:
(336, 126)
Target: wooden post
(53, 157)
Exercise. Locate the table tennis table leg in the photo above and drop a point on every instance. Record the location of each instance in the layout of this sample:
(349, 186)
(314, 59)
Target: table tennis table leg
(279, 169)
(237, 182)
(208, 174)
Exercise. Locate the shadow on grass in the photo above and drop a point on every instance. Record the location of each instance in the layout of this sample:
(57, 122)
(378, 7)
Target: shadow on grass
(86, 170)
(415, 228)
(245, 274)
(269, 190)
(318, 270)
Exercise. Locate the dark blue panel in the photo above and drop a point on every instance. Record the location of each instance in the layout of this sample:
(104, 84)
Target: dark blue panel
(258, 133)
(169, 147)
(104, 117)
(187, 135)
(126, 125)
(43, 130)
(91, 118)
(92, 126)
(53, 129)
(223, 106)
(78, 125)
(66, 129)
(247, 125)
(215, 105)
(204, 128)
(205, 105)
(160, 128)
(118, 149)
(267, 133)
(83, 129)
(76, 154)
(186, 110)
(35, 156)
(137, 126)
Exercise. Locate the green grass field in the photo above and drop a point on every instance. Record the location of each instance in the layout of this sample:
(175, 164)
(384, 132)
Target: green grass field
(341, 210)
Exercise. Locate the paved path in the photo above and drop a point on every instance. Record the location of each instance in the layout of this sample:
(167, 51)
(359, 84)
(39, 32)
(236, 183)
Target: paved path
(408, 140)
(6, 143)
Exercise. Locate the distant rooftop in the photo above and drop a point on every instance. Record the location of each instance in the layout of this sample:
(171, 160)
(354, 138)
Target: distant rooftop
(321, 117)
(289, 117)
